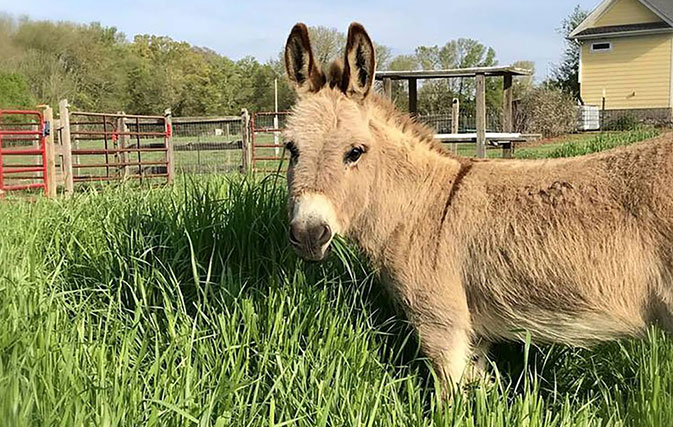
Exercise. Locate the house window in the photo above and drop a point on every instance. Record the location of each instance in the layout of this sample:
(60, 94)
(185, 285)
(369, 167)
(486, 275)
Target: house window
(601, 47)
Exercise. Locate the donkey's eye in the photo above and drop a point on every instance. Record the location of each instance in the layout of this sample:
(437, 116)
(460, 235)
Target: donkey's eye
(294, 153)
(353, 155)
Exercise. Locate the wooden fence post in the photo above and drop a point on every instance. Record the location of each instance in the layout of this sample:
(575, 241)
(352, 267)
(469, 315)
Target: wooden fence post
(481, 115)
(122, 143)
(170, 158)
(388, 88)
(413, 96)
(246, 142)
(455, 123)
(50, 150)
(66, 144)
(507, 115)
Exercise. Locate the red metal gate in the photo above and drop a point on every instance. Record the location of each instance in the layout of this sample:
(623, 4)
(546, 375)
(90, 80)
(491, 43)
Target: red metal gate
(267, 144)
(23, 158)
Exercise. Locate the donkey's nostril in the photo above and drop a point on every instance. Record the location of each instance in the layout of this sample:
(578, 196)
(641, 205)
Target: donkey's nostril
(310, 236)
(325, 233)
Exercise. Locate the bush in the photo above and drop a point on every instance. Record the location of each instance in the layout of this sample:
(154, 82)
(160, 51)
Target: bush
(625, 122)
(550, 112)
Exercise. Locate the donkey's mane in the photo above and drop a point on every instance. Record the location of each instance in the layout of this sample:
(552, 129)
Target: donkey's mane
(406, 123)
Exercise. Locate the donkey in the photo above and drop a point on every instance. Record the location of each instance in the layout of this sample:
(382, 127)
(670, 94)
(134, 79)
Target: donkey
(573, 251)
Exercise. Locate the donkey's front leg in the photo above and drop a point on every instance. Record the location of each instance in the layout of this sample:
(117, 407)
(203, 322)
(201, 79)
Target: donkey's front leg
(444, 330)
(448, 349)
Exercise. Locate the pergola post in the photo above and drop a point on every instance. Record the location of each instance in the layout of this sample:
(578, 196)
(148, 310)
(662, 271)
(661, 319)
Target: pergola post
(388, 88)
(507, 114)
(481, 115)
(413, 96)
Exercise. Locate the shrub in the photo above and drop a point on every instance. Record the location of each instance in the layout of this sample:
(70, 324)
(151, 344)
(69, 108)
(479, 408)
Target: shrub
(550, 112)
(625, 122)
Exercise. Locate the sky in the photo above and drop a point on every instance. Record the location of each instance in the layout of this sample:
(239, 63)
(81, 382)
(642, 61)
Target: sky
(516, 29)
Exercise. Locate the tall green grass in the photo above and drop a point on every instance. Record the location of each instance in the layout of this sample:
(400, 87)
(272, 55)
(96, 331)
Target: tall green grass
(185, 306)
(599, 142)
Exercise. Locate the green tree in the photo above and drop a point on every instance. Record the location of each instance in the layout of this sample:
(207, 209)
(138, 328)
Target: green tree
(399, 89)
(565, 75)
(328, 43)
(14, 91)
(523, 85)
(435, 96)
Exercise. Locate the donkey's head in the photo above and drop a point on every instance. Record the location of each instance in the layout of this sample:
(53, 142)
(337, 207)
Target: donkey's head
(333, 155)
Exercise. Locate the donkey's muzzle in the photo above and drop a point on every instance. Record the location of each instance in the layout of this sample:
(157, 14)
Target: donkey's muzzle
(310, 239)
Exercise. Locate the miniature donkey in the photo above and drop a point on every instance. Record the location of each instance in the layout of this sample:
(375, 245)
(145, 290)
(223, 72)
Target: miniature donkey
(573, 251)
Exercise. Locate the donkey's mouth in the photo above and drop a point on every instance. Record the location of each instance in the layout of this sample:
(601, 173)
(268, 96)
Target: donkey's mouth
(313, 256)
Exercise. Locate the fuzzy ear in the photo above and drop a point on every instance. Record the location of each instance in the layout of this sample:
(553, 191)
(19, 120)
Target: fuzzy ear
(359, 63)
(301, 67)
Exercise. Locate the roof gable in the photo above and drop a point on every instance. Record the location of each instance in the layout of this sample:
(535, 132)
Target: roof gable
(661, 8)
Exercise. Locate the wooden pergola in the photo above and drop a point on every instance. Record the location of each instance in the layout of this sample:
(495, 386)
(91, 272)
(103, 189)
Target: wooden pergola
(479, 74)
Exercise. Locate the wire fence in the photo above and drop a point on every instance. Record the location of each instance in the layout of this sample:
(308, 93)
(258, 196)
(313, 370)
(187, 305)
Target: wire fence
(207, 144)
(467, 121)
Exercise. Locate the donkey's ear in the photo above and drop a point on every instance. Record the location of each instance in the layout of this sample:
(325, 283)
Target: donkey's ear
(359, 63)
(299, 62)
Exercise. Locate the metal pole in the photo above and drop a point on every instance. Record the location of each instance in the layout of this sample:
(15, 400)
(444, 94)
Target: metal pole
(603, 110)
(455, 123)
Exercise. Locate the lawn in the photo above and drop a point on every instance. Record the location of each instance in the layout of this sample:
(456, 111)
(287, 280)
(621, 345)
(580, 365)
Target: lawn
(184, 305)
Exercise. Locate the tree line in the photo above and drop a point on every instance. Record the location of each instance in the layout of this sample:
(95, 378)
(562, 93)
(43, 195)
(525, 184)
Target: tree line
(98, 68)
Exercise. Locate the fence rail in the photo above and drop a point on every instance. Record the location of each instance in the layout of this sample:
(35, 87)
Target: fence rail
(107, 147)
(23, 157)
(115, 146)
(266, 140)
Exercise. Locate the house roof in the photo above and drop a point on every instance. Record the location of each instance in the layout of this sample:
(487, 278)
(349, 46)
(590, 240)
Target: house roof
(620, 29)
(662, 8)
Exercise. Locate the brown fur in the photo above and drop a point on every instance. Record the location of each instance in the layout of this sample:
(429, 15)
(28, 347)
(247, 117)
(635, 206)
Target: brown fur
(572, 250)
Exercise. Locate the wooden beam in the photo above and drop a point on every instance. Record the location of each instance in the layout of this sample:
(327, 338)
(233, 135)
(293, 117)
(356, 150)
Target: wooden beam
(481, 115)
(413, 96)
(50, 152)
(451, 73)
(388, 88)
(455, 123)
(507, 114)
(507, 101)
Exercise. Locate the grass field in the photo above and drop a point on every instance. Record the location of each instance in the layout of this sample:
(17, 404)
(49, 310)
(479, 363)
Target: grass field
(185, 306)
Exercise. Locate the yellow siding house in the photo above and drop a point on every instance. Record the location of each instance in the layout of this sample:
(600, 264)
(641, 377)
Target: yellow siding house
(627, 57)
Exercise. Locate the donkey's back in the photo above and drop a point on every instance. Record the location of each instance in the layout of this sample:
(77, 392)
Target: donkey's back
(574, 250)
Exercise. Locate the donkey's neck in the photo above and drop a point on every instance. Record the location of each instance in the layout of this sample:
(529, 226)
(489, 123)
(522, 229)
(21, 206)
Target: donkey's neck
(410, 195)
